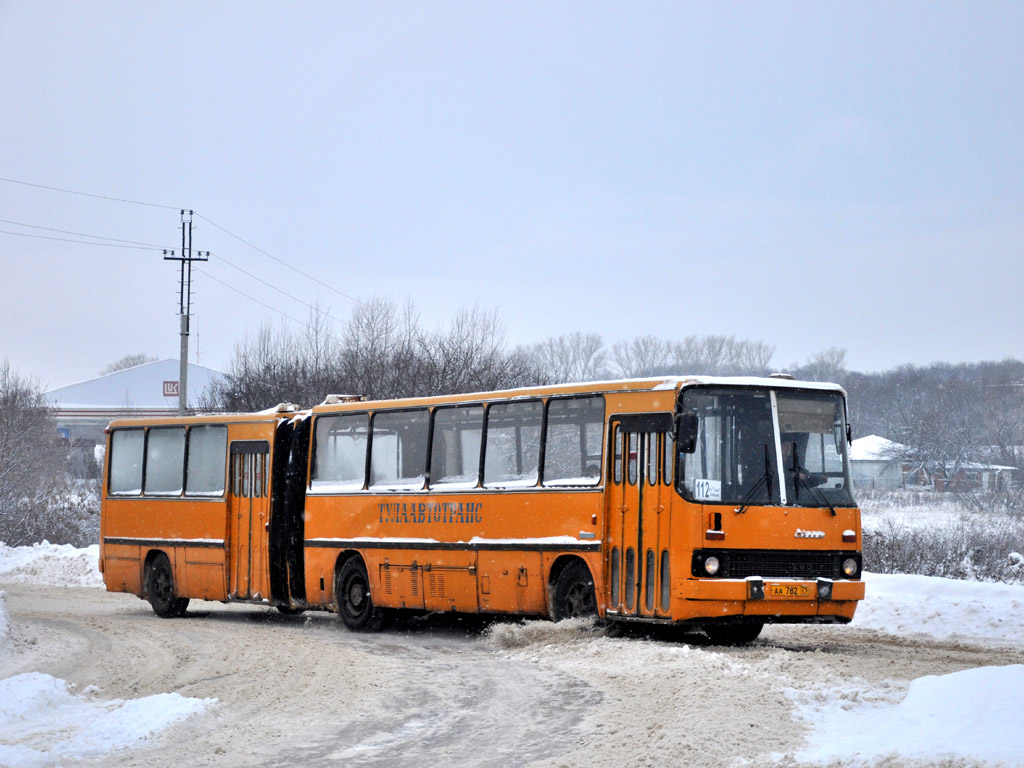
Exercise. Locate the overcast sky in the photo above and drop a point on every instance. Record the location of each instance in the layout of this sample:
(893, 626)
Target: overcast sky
(806, 174)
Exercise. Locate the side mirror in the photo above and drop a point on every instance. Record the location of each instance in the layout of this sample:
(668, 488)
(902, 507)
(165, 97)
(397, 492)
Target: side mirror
(686, 432)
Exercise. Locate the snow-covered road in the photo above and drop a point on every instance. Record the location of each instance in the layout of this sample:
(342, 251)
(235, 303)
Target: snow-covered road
(258, 688)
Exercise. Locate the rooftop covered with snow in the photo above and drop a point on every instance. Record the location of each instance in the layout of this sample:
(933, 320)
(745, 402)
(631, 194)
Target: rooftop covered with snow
(138, 388)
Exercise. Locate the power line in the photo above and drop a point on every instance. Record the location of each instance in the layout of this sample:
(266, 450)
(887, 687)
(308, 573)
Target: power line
(274, 287)
(90, 194)
(80, 234)
(180, 208)
(246, 295)
(83, 242)
(279, 261)
(155, 246)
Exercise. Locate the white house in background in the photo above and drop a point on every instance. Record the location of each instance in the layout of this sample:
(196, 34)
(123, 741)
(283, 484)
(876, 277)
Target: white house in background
(83, 410)
(873, 463)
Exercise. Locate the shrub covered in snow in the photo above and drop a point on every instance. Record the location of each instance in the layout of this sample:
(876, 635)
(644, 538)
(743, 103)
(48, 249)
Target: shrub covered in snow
(936, 535)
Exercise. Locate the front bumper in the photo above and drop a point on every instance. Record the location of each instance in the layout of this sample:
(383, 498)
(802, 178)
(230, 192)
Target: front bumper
(754, 589)
(771, 600)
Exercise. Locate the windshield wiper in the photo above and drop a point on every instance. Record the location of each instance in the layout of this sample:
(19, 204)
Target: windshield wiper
(765, 480)
(801, 479)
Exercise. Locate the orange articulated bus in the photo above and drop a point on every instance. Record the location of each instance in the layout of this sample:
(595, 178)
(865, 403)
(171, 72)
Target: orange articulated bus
(716, 503)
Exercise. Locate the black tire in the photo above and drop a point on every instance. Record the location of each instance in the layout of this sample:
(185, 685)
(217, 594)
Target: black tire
(573, 596)
(352, 592)
(734, 634)
(160, 590)
(287, 610)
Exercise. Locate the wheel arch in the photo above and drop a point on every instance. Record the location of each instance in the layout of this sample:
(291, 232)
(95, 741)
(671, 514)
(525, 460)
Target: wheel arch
(559, 566)
(562, 562)
(343, 557)
(151, 557)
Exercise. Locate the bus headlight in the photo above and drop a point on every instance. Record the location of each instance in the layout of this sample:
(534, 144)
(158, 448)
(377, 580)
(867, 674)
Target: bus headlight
(850, 567)
(711, 565)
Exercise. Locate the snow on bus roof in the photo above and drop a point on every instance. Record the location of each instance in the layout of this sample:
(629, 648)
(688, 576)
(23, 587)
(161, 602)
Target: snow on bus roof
(648, 383)
(759, 381)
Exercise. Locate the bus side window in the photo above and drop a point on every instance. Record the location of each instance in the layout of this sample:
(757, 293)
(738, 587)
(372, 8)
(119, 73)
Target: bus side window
(455, 448)
(512, 451)
(125, 471)
(339, 457)
(165, 461)
(572, 425)
(398, 449)
(207, 452)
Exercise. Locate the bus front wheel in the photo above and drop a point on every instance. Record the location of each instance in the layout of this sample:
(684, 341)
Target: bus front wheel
(160, 590)
(573, 596)
(352, 591)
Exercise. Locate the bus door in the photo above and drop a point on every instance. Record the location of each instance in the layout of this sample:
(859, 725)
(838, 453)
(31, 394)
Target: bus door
(250, 517)
(636, 517)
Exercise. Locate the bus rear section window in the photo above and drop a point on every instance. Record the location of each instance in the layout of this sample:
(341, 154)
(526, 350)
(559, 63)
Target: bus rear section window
(165, 461)
(207, 450)
(339, 461)
(455, 451)
(398, 449)
(512, 455)
(575, 433)
(126, 461)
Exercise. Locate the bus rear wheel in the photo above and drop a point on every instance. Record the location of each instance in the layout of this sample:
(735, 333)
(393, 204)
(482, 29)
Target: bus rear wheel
(352, 591)
(734, 634)
(573, 596)
(160, 590)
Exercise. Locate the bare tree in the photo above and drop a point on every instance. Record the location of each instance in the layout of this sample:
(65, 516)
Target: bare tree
(383, 352)
(936, 418)
(827, 365)
(31, 461)
(643, 356)
(753, 358)
(128, 361)
(708, 355)
(380, 350)
(570, 357)
(471, 355)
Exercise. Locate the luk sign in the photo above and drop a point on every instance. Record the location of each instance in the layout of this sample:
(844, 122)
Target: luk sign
(170, 389)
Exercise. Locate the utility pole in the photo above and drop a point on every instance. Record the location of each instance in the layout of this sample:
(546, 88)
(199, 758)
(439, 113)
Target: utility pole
(185, 301)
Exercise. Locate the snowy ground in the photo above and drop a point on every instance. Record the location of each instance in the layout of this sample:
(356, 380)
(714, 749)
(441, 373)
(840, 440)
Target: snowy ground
(45, 721)
(931, 672)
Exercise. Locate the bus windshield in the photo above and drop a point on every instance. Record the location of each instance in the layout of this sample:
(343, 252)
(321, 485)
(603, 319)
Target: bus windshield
(745, 435)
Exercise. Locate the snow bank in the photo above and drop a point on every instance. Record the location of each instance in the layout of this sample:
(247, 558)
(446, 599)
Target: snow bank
(56, 565)
(42, 723)
(976, 714)
(942, 608)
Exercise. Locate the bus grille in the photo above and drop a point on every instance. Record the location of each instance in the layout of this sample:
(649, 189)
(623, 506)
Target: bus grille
(773, 564)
